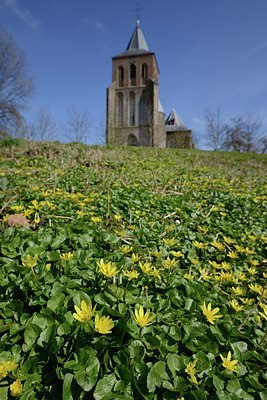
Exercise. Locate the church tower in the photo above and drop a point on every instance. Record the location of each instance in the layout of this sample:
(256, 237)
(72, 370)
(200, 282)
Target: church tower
(134, 114)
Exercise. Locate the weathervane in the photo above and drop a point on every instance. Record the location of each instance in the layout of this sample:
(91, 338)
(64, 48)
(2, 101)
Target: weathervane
(137, 10)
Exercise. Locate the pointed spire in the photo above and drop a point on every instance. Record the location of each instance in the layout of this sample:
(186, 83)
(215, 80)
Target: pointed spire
(137, 41)
(174, 122)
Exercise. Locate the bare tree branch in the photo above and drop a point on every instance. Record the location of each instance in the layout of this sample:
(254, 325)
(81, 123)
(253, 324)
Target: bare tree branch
(16, 86)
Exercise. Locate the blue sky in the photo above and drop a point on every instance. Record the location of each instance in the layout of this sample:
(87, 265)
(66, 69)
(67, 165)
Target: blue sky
(211, 53)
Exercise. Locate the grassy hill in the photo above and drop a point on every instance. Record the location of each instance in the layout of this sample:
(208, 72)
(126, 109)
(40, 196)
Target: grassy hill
(132, 273)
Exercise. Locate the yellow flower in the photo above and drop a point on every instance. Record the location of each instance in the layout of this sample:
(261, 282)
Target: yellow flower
(228, 240)
(229, 364)
(234, 304)
(155, 272)
(169, 263)
(169, 241)
(194, 261)
(135, 257)
(256, 288)
(199, 245)
(156, 253)
(107, 269)
(66, 256)
(191, 371)
(238, 291)
(143, 319)
(6, 367)
(126, 249)
(177, 253)
(227, 276)
(211, 314)
(131, 274)
(241, 276)
(37, 219)
(16, 388)
(80, 213)
(226, 265)
(47, 267)
(204, 275)
(96, 219)
(29, 261)
(85, 313)
(252, 271)
(232, 254)
(118, 217)
(103, 325)
(219, 246)
(145, 267)
(215, 264)
(189, 277)
(17, 208)
(247, 301)
(264, 314)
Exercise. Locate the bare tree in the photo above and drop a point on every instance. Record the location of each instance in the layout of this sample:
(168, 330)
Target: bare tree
(41, 128)
(16, 86)
(263, 144)
(243, 134)
(101, 130)
(215, 130)
(44, 125)
(78, 125)
(252, 133)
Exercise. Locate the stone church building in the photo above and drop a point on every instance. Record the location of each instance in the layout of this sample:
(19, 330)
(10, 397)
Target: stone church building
(135, 116)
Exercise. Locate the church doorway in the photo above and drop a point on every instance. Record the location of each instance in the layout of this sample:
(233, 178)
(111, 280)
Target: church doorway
(132, 140)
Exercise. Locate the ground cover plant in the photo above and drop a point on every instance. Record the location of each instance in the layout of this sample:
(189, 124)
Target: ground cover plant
(130, 273)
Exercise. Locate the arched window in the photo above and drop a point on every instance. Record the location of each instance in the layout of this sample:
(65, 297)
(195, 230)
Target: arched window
(121, 76)
(132, 140)
(120, 109)
(144, 74)
(143, 109)
(132, 75)
(132, 108)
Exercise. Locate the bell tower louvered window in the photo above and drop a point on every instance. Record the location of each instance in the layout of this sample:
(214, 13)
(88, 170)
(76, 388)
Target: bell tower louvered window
(121, 76)
(132, 75)
(120, 109)
(132, 109)
(144, 74)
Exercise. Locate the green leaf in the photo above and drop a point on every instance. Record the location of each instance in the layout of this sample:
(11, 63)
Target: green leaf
(156, 375)
(88, 378)
(55, 301)
(263, 395)
(175, 363)
(104, 386)
(4, 393)
(55, 244)
(67, 393)
(217, 382)
(136, 350)
(233, 385)
(31, 334)
(46, 335)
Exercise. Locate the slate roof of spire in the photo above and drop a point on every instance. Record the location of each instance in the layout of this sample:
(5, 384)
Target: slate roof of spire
(174, 122)
(137, 43)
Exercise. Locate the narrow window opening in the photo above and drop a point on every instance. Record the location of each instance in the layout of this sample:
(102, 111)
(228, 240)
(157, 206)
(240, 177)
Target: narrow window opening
(133, 75)
(121, 76)
(120, 109)
(132, 108)
(144, 73)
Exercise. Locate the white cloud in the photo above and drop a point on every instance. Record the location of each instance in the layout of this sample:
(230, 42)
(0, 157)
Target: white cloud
(23, 15)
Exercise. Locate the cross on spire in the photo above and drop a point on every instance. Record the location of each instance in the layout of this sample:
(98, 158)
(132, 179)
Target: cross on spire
(137, 10)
